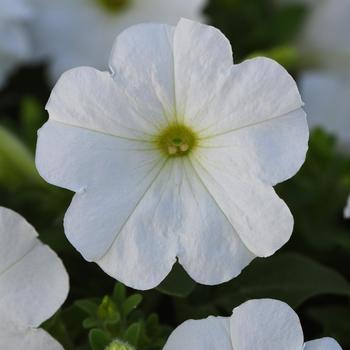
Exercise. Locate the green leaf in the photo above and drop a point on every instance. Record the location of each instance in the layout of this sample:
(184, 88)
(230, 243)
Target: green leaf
(132, 334)
(99, 339)
(287, 56)
(32, 115)
(119, 293)
(89, 322)
(16, 162)
(290, 277)
(335, 322)
(131, 303)
(88, 306)
(177, 283)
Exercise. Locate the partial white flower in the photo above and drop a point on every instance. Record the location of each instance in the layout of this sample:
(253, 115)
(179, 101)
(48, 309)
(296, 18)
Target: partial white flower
(327, 96)
(325, 40)
(347, 209)
(174, 155)
(325, 36)
(81, 32)
(14, 41)
(257, 324)
(33, 285)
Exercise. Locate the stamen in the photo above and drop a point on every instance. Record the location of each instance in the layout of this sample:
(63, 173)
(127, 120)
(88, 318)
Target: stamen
(184, 147)
(172, 150)
(177, 140)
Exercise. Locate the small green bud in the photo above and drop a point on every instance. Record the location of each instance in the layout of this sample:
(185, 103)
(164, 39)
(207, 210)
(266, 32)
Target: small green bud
(107, 309)
(119, 345)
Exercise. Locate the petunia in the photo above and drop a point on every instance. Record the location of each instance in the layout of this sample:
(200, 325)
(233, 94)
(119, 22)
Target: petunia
(14, 41)
(80, 32)
(327, 102)
(325, 41)
(257, 324)
(174, 155)
(347, 209)
(33, 285)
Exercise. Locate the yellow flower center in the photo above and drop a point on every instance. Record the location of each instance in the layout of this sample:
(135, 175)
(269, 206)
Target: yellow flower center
(177, 140)
(113, 6)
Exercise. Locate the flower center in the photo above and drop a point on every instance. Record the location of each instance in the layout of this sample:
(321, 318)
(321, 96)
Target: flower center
(177, 140)
(119, 345)
(113, 6)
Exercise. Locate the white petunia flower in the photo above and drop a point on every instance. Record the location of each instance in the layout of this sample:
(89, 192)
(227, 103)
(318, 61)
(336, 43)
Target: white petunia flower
(174, 154)
(33, 285)
(257, 324)
(325, 40)
(14, 41)
(73, 33)
(347, 209)
(327, 96)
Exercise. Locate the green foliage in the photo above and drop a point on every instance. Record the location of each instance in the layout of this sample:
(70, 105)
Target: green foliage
(256, 25)
(117, 317)
(177, 283)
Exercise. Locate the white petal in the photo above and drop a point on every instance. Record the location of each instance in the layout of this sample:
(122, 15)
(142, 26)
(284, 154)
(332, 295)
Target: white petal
(176, 217)
(250, 93)
(90, 99)
(202, 54)
(211, 333)
(12, 338)
(266, 324)
(261, 219)
(142, 64)
(347, 210)
(272, 151)
(57, 31)
(15, 10)
(33, 281)
(322, 344)
(144, 250)
(211, 250)
(327, 101)
(110, 175)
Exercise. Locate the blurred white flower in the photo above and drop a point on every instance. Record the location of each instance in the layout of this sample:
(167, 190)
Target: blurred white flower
(72, 33)
(327, 101)
(33, 285)
(325, 40)
(174, 155)
(257, 324)
(347, 209)
(14, 41)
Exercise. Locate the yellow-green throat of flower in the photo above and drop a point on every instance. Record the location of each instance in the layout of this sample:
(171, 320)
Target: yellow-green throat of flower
(119, 345)
(113, 6)
(177, 140)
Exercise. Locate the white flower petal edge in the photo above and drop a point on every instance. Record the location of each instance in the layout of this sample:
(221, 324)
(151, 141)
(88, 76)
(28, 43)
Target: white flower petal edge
(266, 324)
(29, 339)
(33, 285)
(137, 208)
(256, 324)
(347, 209)
(209, 334)
(59, 24)
(322, 344)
